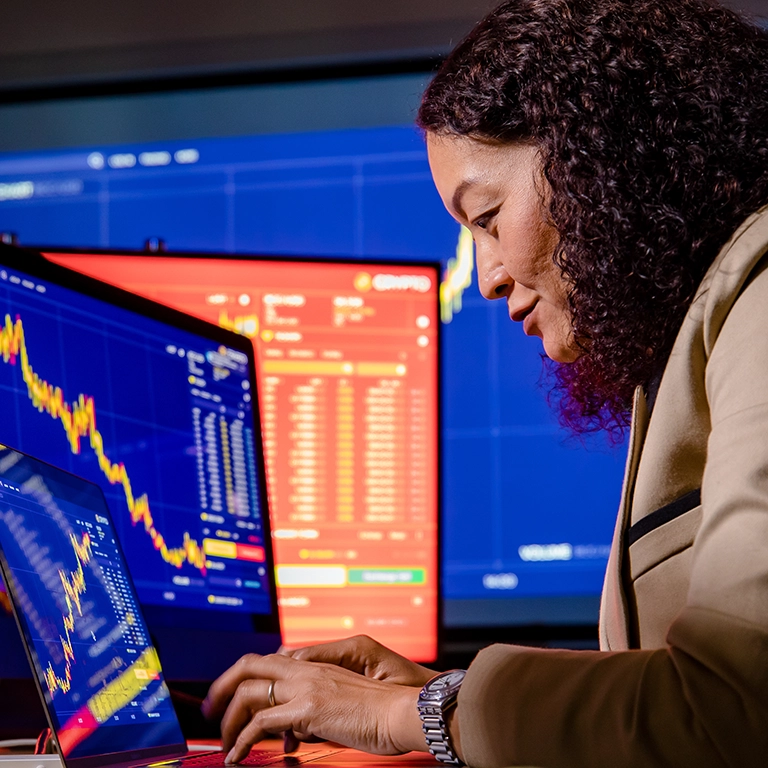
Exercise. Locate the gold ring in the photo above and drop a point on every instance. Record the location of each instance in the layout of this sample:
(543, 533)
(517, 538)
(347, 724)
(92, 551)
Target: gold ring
(271, 694)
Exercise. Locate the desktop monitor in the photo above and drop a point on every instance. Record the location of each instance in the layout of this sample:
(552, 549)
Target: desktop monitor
(159, 409)
(347, 356)
(528, 511)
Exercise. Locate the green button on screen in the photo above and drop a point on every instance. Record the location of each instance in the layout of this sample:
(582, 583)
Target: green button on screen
(384, 576)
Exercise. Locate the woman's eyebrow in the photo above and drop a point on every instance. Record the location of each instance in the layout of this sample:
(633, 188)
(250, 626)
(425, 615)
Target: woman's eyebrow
(458, 194)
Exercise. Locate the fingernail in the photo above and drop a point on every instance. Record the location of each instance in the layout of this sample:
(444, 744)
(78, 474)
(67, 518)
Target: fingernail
(230, 757)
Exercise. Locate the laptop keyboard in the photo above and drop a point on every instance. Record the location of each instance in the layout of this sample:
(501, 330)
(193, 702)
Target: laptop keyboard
(256, 757)
(212, 759)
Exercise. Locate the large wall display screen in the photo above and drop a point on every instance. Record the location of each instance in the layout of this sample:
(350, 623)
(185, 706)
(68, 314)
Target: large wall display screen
(528, 512)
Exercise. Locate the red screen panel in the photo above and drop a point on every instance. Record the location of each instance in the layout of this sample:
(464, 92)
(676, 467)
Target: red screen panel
(348, 376)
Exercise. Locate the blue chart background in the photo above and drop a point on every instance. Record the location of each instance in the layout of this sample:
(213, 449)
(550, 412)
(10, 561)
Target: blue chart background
(145, 420)
(510, 477)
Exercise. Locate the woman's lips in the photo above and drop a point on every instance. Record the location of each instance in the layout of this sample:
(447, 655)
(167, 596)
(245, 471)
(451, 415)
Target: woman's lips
(527, 322)
(524, 315)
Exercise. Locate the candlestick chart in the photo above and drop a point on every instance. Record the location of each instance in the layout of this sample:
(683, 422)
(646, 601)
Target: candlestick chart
(74, 587)
(78, 419)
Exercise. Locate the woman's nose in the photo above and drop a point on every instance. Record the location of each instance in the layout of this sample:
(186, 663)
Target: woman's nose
(493, 279)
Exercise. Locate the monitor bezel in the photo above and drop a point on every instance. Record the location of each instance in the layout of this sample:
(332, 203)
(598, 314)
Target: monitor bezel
(393, 262)
(31, 261)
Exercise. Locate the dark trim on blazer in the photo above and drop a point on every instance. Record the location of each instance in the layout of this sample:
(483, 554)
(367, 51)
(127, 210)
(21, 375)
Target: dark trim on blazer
(663, 515)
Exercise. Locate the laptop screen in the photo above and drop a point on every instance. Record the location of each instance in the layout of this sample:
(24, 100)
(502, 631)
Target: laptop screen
(98, 672)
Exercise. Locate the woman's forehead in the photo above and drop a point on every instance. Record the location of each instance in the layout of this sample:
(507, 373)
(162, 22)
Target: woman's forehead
(462, 166)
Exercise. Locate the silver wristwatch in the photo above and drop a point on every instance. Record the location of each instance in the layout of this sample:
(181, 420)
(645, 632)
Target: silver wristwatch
(435, 699)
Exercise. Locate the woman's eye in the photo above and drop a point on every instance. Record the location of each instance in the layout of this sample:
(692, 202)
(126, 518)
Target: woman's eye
(484, 221)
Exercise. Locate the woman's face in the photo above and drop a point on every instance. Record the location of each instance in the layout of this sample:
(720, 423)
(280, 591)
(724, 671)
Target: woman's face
(499, 192)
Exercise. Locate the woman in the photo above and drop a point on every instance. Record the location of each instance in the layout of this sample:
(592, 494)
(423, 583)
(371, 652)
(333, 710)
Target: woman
(611, 160)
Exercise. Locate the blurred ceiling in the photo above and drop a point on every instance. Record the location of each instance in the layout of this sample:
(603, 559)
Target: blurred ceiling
(47, 43)
(50, 46)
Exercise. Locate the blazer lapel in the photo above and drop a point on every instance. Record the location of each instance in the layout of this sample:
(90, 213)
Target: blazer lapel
(614, 615)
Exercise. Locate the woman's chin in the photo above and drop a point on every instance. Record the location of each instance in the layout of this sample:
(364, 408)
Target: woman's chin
(559, 352)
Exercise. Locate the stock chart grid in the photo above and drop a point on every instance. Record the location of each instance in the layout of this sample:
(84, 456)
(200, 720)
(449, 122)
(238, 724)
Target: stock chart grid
(527, 512)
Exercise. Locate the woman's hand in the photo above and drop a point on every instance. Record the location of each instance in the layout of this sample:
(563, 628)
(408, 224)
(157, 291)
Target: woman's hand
(363, 655)
(314, 701)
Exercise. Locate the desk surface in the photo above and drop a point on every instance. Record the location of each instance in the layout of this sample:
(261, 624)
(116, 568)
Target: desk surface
(343, 758)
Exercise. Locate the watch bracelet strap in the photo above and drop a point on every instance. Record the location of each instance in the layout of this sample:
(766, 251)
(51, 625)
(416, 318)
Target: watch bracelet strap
(438, 740)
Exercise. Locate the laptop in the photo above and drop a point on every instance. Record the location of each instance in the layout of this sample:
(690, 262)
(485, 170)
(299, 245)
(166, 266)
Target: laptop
(99, 677)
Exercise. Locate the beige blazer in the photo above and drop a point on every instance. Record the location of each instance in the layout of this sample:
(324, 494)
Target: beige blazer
(682, 679)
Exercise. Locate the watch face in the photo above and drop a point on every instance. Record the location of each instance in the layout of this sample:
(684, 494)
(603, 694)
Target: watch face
(445, 684)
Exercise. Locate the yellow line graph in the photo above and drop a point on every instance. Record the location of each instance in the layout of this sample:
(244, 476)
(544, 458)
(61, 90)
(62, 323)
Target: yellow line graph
(79, 421)
(74, 587)
(458, 276)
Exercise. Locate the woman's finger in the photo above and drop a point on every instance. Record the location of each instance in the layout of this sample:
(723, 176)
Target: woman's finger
(223, 688)
(250, 735)
(250, 697)
(349, 653)
(265, 723)
(271, 667)
(290, 741)
(364, 656)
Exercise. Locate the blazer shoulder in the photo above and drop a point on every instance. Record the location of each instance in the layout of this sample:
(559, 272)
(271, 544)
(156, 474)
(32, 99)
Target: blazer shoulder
(728, 274)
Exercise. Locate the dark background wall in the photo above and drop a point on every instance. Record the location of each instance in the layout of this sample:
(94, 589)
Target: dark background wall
(46, 42)
(49, 43)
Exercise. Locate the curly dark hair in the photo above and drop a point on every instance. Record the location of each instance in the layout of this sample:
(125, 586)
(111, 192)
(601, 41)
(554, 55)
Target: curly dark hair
(652, 121)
